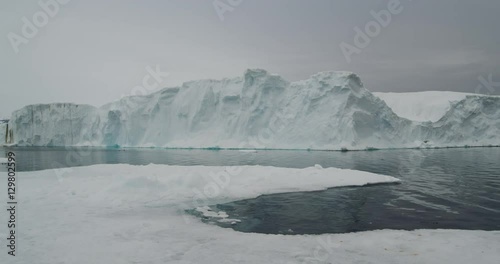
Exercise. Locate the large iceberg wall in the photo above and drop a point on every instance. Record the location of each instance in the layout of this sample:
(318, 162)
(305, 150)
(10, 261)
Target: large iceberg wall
(55, 125)
(330, 110)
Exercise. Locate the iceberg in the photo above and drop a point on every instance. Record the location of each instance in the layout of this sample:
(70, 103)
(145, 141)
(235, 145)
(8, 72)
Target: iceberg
(328, 111)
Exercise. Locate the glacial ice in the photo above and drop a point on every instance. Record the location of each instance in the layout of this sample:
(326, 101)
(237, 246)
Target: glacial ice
(328, 111)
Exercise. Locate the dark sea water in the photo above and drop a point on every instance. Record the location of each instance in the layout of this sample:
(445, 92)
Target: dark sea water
(441, 188)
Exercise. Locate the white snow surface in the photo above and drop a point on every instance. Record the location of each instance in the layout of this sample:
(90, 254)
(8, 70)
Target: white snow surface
(330, 110)
(134, 214)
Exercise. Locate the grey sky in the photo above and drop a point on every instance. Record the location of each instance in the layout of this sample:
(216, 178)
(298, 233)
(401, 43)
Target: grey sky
(93, 51)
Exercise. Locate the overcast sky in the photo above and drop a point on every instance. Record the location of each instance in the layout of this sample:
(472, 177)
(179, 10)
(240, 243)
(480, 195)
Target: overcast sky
(94, 51)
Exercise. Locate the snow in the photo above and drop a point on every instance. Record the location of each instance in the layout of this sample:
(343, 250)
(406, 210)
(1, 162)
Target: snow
(134, 214)
(328, 111)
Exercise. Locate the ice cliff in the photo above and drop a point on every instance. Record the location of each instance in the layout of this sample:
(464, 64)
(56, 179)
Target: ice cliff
(330, 110)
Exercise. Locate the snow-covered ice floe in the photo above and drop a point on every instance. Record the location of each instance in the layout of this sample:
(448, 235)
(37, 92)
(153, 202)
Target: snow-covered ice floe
(136, 214)
(328, 111)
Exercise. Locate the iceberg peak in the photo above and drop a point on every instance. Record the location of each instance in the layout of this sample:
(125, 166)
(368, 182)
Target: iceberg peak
(255, 73)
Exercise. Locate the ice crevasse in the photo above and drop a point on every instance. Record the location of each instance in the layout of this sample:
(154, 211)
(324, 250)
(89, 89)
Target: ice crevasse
(328, 111)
